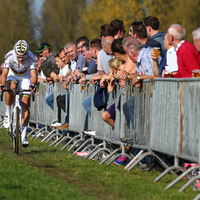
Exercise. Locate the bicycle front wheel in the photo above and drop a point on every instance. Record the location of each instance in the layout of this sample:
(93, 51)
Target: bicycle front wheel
(17, 131)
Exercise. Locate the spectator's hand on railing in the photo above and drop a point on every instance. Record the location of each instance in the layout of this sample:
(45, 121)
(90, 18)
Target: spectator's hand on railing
(94, 79)
(103, 83)
(121, 74)
(165, 72)
(65, 84)
(135, 80)
(82, 75)
(40, 80)
(56, 79)
(81, 81)
(138, 85)
(122, 83)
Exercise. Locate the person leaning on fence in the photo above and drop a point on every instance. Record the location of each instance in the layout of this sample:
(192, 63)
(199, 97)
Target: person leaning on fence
(139, 32)
(40, 74)
(49, 68)
(78, 61)
(109, 81)
(118, 28)
(92, 67)
(188, 57)
(63, 63)
(152, 26)
(196, 38)
(95, 48)
(80, 41)
(106, 44)
(169, 60)
(144, 70)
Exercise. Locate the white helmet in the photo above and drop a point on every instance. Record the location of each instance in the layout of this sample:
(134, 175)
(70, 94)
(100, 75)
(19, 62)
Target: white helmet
(21, 48)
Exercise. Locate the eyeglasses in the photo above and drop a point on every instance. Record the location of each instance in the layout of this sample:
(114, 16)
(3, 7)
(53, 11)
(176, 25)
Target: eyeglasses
(84, 51)
(21, 57)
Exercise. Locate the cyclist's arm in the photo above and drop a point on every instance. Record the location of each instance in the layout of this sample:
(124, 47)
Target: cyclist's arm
(4, 76)
(33, 74)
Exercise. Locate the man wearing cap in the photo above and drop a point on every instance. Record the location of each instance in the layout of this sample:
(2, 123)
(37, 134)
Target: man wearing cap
(49, 68)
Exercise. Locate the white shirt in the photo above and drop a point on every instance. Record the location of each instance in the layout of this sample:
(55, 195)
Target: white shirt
(64, 71)
(41, 74)
(73, 65)
(171, 62)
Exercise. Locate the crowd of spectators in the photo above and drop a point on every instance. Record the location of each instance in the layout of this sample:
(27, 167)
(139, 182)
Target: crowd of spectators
(114, 59)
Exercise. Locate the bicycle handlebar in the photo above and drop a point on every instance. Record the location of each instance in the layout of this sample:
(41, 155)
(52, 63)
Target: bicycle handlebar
(17, 91)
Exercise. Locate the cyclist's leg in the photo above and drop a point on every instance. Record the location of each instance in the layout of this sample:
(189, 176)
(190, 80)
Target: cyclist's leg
(25, 118)
(25, 96)
(9, 99)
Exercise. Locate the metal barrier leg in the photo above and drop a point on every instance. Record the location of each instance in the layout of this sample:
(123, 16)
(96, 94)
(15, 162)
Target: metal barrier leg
(88, 146)
(167, 171)
(189, 183)
(72, 146)
(140, 158)
(84, 144)
(117, 156)
(181, 176)
(54, 135)
(99, 150)
(54, 142)
(90, 153)
(33, 130)
(37, 132)
(108, 156)
(48, 135)
(63, 140)
(40, 132)
(77, 136)
(197, 197)
(133, 160)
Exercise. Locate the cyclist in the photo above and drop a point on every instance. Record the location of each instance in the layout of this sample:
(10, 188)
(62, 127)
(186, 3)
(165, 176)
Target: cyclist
(19, 70)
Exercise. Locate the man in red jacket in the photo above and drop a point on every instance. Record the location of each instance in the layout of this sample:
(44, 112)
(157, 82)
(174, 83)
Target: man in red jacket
(187, 55)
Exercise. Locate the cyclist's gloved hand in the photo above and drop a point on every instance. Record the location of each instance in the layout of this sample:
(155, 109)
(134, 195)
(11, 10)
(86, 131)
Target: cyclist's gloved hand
(32, 88)
(3, 87)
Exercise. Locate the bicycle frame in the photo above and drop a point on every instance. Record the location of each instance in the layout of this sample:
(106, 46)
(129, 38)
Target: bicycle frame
(15, 126)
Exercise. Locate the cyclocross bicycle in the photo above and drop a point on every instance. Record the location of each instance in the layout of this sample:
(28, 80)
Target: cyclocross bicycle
(15, 125)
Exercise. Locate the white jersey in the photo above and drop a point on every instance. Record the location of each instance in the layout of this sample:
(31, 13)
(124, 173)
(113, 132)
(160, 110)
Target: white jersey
(11, 63)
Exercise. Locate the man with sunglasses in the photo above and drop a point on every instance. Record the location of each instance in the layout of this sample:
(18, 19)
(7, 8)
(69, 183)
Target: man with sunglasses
(19, 71)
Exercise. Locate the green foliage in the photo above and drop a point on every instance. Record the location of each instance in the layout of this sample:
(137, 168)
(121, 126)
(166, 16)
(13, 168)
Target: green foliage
(185, 13)
(59, 23)
(102, 12)
(15, 24)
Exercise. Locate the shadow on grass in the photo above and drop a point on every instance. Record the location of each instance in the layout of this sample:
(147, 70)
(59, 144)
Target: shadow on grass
(41, 151)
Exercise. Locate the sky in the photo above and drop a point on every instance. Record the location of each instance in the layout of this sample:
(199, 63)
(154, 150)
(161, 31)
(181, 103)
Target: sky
(37, 5)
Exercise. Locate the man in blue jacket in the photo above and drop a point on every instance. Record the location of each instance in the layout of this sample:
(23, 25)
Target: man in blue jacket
(152, 26)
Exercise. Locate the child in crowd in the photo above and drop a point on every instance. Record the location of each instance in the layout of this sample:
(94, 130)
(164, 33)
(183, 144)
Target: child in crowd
(108, 80)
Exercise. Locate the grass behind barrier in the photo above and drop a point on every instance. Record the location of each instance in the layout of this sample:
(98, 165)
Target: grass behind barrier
(43, 172)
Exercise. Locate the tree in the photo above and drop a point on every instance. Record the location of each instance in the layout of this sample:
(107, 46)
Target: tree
(99, 12)
(185, 13)
(59, 22)
(15, 24)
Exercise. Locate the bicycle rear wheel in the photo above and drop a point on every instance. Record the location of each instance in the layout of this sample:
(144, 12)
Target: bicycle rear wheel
(16, 142)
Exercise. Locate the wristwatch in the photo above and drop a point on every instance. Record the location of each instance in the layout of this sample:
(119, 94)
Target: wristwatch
(138, 78)
(127, 76)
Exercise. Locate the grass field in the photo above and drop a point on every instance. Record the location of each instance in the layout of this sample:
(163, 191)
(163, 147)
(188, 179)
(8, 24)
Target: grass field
(43, 172)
